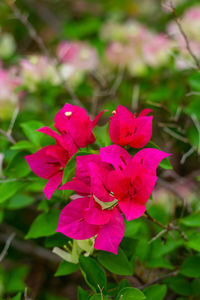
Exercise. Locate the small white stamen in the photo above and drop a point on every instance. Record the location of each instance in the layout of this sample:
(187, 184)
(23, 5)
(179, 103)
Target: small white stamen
(114, 112)
(68, 113)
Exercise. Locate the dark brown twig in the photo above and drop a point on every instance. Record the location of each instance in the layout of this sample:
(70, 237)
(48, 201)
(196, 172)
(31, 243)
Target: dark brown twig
(174, 273)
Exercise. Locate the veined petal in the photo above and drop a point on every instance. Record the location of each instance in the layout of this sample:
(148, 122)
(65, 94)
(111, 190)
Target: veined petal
(131, 209)
(52, 184)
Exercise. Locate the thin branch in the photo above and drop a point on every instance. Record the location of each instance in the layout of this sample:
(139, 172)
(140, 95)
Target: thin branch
(157, 236)
(8, 136)
(6, 247)
(174, 273)
(176, 135)
(186, 155)
(187, 43)
(197, 125)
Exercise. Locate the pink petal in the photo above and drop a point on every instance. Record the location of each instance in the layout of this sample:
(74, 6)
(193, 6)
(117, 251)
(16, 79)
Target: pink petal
(72, 223)
(94, 122)
(82, 165)
(131, 209)
(48, 131)
(43, 164)
(115, 155)
(143, 132)
(95, 215)
(52, 184)
(150, 158)
(111, 234)
(78, 186)
(145, 112)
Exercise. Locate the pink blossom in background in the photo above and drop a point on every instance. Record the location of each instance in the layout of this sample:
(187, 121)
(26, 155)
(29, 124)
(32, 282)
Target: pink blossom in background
(83, 218)
(79, 55)
(128, 129)
(49, 163)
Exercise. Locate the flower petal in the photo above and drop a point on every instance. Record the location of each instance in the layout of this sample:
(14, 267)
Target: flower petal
(131, 209)
(143, 132)
(52, 184)
(115, 155)
(72, 222)
(111, 234)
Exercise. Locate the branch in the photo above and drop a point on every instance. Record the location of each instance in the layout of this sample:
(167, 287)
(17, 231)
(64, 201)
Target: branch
(187, 43)
(7, 245)
(174, 273)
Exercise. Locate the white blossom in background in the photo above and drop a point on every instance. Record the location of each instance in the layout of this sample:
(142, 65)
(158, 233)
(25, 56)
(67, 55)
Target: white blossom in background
(190, 23)
(9, 97)
(135, 47)
(36, 69)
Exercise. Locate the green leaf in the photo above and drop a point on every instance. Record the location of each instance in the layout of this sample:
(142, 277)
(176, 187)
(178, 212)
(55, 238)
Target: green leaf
(22, 145)
(83, 295)
(94, 275)
(15, 279)
(66, 268)
(82, 28)
(192, 220)
(191, 267)
(130, 294)
(44, 225)
(117, 264)
(17, 297)
(19, 201)
(71, 166)
(131, 228)
(155, 291)
(99, 297)
(102, 135)
(18, 166)
(194, 241)
(30, 128)
(179, 285)
(8, 189)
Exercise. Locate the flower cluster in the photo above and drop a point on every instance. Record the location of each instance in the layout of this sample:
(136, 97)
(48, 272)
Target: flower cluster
(9, 81)
(135, 47)
(108, 185)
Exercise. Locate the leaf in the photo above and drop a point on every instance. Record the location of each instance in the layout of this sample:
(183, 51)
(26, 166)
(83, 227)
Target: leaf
(30, 132)
(15, 279)
(71, 166)
(83, 295)
(155, 291)
(99, 297)
(8, 189)
(66, 268)
(19, 201)
(131, 228)
(129, 293)
(117, 264)
(44, 225)
(194, 241)
(179, 285)
(18, 166)
(94, 275)
(191, 267)
(22, 145)
(102, 135)
(17, 297)
(192, 220)
(82, 28)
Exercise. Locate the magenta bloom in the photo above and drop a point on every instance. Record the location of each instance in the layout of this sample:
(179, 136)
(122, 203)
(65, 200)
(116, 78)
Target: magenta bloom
(128, 129)
(74, 127)
(83, 218)
(49, 163)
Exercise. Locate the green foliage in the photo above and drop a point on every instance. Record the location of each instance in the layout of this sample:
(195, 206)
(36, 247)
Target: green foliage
(155, 291)
(66, 268)
(93, 273)
(130, 294)
(44, 225)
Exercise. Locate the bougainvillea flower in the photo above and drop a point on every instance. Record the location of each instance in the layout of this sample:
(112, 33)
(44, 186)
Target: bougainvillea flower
(49, 163)
(128, 129)
(115, 178)
(75, 127)
(83, 218)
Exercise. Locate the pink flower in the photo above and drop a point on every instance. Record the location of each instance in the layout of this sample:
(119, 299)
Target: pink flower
(79, 55)
(115, 175)
(75, 127)
(83, 218)
(128, 129)
(49, 163)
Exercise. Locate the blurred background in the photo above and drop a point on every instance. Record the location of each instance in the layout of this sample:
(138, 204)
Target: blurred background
(97, 54)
